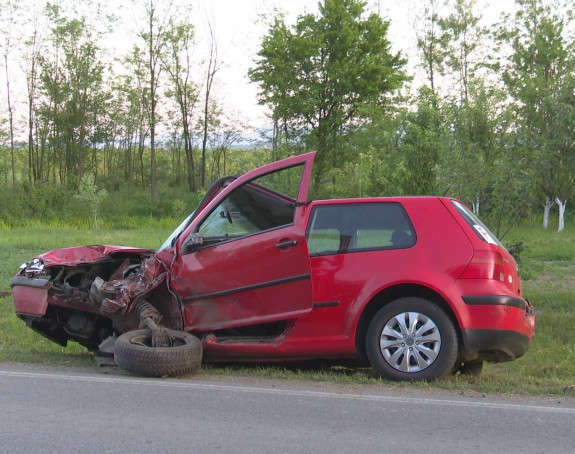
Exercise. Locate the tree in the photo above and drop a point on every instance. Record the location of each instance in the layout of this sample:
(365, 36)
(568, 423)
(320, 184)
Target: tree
(540, 77)
(210, 109)
(421, 144)
(463, 37)
(8, 13)
(431, 41)
(184, 91)
(93, 198)
(154, 36)
(71, 82)
(319, 76)
(134, 100)
(470, 148)
(30, 56)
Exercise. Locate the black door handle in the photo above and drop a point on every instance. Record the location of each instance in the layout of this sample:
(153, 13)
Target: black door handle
(286, 244)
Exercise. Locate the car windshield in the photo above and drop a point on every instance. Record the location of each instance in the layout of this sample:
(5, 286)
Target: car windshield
(171, 240)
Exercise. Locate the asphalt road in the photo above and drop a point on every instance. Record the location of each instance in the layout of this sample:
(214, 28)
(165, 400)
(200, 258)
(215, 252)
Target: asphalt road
(66, 410)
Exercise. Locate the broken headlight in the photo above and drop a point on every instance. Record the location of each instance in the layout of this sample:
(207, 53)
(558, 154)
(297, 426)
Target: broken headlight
(33, 268)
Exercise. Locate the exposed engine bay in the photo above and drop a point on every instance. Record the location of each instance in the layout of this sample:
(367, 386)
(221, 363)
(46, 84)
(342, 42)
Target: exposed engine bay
(90, 302)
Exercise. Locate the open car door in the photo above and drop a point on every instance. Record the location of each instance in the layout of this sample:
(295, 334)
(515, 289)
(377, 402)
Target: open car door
(243, 260)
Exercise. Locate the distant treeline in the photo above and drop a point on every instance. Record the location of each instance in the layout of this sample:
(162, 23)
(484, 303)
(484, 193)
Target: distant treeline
(492, 122)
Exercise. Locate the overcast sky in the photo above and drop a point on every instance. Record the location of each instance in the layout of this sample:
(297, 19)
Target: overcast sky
(239, 29)
(239, 26)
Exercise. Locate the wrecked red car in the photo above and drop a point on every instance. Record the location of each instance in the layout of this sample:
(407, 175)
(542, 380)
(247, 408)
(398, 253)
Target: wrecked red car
(417, 286)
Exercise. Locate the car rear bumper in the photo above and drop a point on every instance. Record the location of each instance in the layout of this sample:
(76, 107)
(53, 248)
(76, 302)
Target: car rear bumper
(494, 345)
(496, 327)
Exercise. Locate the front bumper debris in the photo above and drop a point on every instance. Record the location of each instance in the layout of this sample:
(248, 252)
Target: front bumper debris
(30, 295)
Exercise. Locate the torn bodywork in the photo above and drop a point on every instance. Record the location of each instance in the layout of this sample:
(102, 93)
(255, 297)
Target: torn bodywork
(87, 294)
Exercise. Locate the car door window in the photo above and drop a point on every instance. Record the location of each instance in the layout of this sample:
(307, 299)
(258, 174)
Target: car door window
(354, 227)
(262, 204)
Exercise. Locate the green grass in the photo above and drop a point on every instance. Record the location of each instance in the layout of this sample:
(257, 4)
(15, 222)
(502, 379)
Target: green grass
(548, 270)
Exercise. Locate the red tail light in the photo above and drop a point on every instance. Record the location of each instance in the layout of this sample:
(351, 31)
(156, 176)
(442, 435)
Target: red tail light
(485, 265)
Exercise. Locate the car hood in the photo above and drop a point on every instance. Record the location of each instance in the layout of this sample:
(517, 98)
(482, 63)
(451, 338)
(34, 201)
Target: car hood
(86, 254)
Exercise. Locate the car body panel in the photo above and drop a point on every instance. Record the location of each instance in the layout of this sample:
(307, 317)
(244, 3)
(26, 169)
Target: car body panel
(219, 290)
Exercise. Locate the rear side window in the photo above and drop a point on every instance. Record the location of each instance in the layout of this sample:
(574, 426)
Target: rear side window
(355, 227)
(478, 227)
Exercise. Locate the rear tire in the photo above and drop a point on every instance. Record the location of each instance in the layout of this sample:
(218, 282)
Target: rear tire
(133, 352)
(412, 339)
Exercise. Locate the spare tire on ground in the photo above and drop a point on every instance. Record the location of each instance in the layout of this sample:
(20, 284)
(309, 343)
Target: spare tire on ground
(134, 353)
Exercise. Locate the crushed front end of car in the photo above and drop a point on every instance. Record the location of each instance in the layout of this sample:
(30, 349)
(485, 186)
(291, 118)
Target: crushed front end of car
(86, 294)
(115, 301)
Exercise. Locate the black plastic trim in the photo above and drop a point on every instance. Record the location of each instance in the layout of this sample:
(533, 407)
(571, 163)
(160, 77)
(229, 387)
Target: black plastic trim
(494, 300)
(493, 344)
(326, 304)
(23, 281)
(248, 288)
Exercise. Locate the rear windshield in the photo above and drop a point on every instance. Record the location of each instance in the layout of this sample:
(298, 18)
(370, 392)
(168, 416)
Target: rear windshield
(479, 227)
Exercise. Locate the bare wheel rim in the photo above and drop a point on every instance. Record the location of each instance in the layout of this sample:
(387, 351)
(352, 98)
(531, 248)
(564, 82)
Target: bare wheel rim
(410, 342)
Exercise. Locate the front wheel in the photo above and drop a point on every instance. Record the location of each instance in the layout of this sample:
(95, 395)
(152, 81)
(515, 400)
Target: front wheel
(133, 352)
(412, 339)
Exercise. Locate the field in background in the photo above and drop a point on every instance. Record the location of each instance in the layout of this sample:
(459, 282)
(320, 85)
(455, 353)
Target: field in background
(548, 270)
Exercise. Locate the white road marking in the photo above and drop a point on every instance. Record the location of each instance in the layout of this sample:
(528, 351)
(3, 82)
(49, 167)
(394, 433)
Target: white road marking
(171, 383)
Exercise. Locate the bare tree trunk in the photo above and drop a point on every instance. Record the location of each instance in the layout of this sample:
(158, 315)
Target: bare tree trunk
(7, 29)
(475, 205)
(177, 62)
(34, 164)
(546, 209)
(155, 41)
(210, 76)
(10, 118)
(153, 75)
(562, 207)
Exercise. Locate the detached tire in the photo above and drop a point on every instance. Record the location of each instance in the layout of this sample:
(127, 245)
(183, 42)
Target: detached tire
(412, 339)
(133, 353)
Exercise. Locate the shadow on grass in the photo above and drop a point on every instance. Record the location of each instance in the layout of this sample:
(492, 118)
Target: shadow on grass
(319, 369)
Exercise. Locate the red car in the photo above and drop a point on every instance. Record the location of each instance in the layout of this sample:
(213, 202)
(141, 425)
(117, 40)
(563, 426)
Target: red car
(416, 285)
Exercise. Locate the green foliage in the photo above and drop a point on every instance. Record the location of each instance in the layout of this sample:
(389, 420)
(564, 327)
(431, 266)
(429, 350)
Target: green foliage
(318, 75)
(43, 201)
(71, 89)
(539, 77)
(421, 144)
(92, 197)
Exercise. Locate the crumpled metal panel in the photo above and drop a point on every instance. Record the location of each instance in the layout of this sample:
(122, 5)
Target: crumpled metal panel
(149, 276)
(85, 254)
